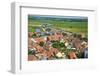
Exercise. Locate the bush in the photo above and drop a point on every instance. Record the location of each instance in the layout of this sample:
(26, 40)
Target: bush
(55, 44)
(61, 44)
(63, 49)
(41, 44)
(30, 52)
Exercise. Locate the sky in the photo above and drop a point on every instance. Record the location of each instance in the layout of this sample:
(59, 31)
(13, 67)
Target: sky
(68, 17)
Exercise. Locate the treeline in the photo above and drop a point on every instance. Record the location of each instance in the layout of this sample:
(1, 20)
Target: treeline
(58, 19)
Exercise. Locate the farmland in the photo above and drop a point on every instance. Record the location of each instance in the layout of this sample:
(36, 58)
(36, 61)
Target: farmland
(72, 26)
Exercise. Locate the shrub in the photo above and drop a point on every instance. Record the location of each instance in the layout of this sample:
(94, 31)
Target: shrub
(55, 44)
(41, 44)
(61, 44)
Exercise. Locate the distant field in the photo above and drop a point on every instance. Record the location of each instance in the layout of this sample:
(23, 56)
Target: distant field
(77, 27)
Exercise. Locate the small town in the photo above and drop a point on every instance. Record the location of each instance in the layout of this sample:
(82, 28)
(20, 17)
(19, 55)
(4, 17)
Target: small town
(52, 43)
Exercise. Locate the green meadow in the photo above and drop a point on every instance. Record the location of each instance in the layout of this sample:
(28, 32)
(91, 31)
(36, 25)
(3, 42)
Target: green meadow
(71, 25)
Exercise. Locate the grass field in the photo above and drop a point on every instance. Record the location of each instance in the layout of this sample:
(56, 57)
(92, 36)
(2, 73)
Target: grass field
(66, 25)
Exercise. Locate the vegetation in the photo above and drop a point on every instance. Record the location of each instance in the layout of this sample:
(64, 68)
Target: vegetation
(41, 44)
(72, 25)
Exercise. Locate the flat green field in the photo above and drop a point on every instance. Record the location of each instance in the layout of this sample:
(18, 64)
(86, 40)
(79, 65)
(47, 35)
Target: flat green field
(72, 26)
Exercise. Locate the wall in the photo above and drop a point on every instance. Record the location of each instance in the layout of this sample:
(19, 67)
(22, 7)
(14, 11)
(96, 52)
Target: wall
(5, 36)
